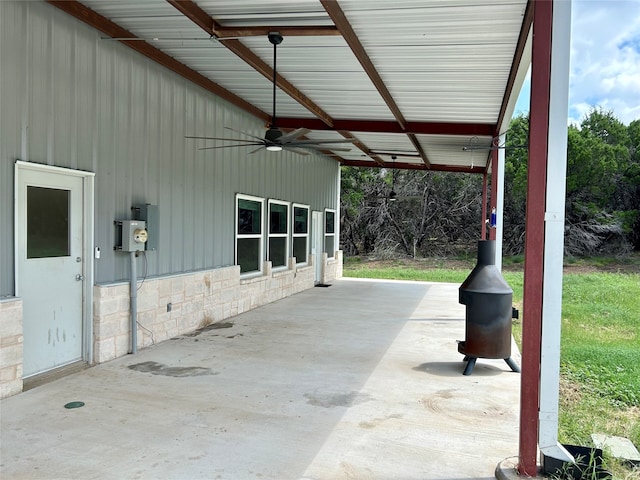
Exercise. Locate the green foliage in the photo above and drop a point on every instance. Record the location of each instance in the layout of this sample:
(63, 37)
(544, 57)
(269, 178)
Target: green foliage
(602, 189)
(439, 213)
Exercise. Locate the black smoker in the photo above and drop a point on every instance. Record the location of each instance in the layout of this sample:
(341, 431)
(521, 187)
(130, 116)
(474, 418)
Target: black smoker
(489, 311)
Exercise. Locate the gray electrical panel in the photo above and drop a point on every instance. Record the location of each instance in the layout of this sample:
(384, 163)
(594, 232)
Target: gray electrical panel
(134, 235)
(149, 213)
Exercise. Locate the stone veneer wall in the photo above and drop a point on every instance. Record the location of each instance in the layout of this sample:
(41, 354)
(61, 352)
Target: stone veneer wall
(197, 299)
(332, 268)
(10, 347)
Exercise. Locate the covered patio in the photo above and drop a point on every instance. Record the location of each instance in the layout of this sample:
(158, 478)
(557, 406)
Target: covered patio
(331, 383)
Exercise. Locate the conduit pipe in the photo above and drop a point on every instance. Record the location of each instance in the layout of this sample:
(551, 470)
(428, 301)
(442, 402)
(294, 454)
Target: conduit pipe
(134, 303)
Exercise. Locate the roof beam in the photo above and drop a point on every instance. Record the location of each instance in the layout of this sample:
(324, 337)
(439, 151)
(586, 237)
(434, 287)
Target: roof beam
(358, 144)
(517, 58)
(258, 31)
(389, 126)
(209, 25)
(114, 30)
(339, 18)
(413, 166)
(418, 147)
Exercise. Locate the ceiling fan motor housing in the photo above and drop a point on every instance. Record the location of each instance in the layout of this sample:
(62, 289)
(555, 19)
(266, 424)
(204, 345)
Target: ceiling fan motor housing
(273, 135)
(275, 38)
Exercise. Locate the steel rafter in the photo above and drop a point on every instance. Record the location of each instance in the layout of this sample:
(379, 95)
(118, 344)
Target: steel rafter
(209, 25)
(106, 26)
(340, 20)
(390, 126)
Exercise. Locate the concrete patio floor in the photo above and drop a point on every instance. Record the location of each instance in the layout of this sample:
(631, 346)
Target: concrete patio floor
(361, 380)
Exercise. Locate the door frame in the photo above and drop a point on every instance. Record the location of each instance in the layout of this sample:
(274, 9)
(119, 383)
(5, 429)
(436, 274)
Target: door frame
(317, 243)
(87, 242)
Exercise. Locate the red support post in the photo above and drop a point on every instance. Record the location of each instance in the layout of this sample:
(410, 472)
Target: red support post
(483, 227)
(534, 241)
(494, 189)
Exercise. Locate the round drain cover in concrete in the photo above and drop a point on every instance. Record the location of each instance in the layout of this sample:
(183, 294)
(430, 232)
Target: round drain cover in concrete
(74, 405)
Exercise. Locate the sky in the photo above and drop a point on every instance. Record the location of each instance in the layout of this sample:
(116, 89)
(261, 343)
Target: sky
(605, 60)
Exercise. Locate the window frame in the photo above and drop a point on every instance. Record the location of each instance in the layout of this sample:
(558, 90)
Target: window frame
(332, 254)
(295, 235)
(259, 236)
(285, 235)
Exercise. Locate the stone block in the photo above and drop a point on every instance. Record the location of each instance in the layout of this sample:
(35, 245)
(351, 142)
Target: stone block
(104, 350)
(11, 355)
(8, 374)
(123, 345)
(124, 304)
(107, 326)
(11, 320)
(12, 340)
(148, 300)
(10, 388)
(177, 285)
(164, 287)
(177, 298)
(121, 290)
(106, 306)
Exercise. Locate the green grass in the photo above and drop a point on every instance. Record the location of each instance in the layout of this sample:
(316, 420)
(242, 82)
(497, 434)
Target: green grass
(600, 352)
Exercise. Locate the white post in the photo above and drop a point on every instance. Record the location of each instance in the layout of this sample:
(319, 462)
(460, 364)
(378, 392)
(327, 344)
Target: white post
(500, 202)
(554, 233)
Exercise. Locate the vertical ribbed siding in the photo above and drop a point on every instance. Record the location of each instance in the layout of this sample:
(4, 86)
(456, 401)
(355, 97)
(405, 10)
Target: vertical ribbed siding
(72, 100)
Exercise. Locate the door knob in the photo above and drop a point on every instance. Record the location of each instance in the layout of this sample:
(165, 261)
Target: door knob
(79, 277)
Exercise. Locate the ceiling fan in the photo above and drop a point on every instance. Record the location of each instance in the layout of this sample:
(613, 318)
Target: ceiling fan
(392, 195)
(276, 140)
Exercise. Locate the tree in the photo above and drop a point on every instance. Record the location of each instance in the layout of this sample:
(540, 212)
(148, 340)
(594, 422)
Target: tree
(439, 213)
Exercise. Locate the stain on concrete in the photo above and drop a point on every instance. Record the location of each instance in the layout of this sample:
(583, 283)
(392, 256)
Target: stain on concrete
(236, 335)
(377, 421)
(156, 368)
(212, 326)
(330, 400)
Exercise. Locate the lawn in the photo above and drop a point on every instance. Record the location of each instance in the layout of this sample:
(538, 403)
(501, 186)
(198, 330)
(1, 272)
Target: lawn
(600, 352)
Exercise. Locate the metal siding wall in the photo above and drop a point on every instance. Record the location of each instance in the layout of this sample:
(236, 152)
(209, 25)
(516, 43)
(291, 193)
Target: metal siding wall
(81, 102)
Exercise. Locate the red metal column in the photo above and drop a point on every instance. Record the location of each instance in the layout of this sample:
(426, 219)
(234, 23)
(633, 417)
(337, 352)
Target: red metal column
(494, 189)
(534, 241)
(483, 229)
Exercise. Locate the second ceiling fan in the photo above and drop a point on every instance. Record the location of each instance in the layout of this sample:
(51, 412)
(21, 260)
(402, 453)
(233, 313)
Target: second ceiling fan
(276, 140)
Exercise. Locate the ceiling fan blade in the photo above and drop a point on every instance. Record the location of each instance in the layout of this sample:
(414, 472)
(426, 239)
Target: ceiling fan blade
(231, 146)
(321, 142)
(244, 133)
(299, 151)
(288, 137)
(220, 138)
(256, 150)
(319, 147)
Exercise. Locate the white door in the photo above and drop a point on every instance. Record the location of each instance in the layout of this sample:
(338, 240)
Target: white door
(50, 267)
(317, 242)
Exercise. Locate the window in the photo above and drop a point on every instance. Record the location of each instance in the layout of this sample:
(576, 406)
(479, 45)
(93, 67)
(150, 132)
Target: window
(278, 249)
(249, 233)
(329, 232)
(301, 233)
(47, 222)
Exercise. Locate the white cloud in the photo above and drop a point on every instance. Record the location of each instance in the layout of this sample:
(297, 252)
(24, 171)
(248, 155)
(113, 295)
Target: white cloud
(605, 59)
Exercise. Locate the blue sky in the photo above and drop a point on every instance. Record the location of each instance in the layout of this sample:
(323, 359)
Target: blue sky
(605, 60)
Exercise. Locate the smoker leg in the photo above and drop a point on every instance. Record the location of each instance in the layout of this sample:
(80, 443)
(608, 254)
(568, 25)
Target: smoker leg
(470, 364)
(512, 365)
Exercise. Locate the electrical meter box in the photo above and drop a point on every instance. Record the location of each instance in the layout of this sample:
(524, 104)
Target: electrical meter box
(134, 235)
(149, 213)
